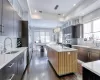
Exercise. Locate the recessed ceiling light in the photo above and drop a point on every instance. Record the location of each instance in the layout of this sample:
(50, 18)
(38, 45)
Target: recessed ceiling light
(35, 10)
(63, 15)
(83, 13)
(74, 4)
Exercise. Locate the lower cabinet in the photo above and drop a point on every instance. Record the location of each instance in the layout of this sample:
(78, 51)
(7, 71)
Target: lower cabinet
(94, 55)
(20, 67)
(88, 54)
(13, 70)
(88, 75)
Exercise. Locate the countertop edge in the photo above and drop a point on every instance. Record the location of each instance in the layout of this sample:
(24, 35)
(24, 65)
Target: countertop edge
(17, 54)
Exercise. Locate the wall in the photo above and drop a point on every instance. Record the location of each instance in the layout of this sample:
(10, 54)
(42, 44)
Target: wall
(91, 16)
(8, 43)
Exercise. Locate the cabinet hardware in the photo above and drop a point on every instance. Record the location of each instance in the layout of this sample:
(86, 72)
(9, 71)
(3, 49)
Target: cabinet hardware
(12, 76)
(2, 29)
(11, 65)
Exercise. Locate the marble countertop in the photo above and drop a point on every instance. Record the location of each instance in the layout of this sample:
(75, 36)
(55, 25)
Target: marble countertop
(59, 48)
(6, 58)
(90, 47)
(93, 67)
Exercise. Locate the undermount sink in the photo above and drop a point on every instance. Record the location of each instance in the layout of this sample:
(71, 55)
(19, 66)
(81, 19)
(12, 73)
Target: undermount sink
(12, 52)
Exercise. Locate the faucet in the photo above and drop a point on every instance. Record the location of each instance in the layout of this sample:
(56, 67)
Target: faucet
(1, 48)
(5, 43)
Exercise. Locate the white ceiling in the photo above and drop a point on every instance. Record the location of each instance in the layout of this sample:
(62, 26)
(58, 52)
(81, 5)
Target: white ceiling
(23, 4)
(47, 6)
(49, 17)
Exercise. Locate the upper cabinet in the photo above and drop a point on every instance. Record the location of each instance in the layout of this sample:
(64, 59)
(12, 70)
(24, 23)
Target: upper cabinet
(7, 19)
(0, 17)
(17, 25)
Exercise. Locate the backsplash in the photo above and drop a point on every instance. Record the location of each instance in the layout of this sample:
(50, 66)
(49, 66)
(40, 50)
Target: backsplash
(8, 43)
(88, 43)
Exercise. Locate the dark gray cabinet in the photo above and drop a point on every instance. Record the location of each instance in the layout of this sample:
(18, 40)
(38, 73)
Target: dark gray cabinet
(1, 76)
(89, 75)
(75, 31)
(13, 70)
(9, 71)
(20, 66)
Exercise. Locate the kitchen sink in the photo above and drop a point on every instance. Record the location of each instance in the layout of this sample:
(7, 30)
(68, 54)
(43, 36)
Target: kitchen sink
(12, 52)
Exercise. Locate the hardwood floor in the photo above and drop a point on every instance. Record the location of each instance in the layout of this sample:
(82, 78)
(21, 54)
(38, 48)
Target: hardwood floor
(40, 69)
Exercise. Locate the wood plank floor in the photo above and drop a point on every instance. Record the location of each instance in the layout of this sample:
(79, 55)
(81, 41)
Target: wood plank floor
(39, 69)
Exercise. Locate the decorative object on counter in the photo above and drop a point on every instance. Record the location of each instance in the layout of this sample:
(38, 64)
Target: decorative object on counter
(19, 42)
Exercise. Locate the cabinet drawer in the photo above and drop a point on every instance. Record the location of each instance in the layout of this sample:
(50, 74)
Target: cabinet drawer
(9, 70)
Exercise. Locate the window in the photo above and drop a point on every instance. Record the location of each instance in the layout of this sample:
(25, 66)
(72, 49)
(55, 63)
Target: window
(88, 27)
(47, 37)
(96, 25)
(92, 30)
(36, 37)
(42, 36)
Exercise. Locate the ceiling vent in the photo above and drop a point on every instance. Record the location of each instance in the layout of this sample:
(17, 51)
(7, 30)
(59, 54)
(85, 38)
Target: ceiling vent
(56, 7)
(40, 11)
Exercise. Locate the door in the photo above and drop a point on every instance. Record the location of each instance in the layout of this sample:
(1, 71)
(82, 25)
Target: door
(7, 19)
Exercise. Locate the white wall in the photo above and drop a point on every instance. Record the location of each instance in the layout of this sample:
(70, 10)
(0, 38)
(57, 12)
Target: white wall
(91, 16)
(8, 42)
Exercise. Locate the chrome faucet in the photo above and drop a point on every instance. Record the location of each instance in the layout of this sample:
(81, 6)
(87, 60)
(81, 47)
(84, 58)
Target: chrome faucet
(1, 48)
(5, 43)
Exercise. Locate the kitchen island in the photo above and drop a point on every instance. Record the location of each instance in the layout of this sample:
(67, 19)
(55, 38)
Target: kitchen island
(91, 70)
(63, 60)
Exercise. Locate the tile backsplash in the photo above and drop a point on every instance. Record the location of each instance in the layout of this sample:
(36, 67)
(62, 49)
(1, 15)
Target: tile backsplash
(88, 43)
(8, 43)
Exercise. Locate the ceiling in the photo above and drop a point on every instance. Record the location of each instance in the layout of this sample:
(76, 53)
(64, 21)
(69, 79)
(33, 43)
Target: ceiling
(23, 4)
(47, 6)
(49, 17)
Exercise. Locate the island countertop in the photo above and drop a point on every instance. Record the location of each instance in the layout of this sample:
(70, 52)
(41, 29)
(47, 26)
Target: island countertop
(59, 48)
(93, 67)
(6, 58)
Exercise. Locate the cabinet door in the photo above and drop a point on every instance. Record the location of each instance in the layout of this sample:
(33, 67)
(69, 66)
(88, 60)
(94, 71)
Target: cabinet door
(1, 75)
(9, 71)
(7, 19)
(94, 55)
(20, 67)
(0, 17)
(17, 25)
(83, 54)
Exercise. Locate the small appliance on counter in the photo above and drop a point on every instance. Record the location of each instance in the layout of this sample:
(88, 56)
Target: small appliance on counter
(19, 42)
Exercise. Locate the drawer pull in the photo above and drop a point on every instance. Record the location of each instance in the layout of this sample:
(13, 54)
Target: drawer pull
(12, 76)
(11, 65)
